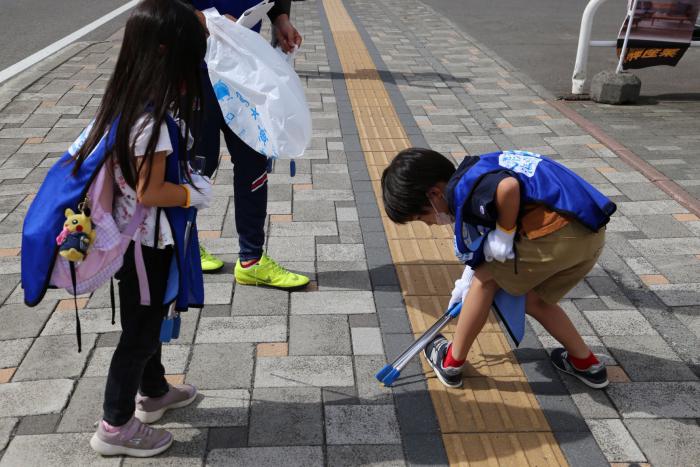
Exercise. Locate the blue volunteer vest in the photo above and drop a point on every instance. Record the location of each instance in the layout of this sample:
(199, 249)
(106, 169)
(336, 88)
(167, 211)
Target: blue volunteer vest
(542, 181)
(61, 189)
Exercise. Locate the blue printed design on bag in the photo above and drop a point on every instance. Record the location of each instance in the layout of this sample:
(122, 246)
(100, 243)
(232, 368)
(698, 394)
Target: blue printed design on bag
(242, 99)
(228, 118)
(262, 135)
(522, 162)
(254, 113)
(221, 90)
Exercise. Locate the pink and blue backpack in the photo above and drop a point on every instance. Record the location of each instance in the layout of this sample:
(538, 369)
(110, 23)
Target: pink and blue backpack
(90, 190)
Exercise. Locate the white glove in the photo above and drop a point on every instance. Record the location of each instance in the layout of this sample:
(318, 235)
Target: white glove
(200, 197)
(462, 286)
(499, 244)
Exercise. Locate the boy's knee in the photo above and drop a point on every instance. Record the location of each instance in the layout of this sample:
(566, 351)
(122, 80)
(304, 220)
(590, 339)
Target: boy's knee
(484, 279)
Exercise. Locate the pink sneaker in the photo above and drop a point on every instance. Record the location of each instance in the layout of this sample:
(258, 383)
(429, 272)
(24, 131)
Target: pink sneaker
(131, 439)
(151, 409)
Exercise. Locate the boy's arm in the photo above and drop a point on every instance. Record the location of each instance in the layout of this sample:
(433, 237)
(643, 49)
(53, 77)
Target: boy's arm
(508, 203)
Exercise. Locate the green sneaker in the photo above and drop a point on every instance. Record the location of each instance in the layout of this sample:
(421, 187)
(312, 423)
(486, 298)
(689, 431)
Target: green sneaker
(268, 272)
(210, 263)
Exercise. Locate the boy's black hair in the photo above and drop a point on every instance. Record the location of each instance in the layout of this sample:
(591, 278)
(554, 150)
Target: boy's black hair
(406, 181)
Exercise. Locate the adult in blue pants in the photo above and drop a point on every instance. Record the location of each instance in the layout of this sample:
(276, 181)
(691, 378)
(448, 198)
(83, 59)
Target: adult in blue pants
(253, 267)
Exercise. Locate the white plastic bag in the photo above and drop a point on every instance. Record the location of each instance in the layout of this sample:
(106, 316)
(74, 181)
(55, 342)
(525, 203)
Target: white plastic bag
(260, 94)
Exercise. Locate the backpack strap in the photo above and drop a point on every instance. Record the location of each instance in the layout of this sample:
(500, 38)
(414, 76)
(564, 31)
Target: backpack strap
(111, 299)
(75, 301)
(132, 231)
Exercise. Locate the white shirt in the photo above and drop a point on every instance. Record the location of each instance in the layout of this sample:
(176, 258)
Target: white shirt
(124, 203)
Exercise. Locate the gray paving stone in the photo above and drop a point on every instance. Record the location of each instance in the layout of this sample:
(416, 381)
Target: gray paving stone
(18, 321)
(188, 450)
(580, 449)
(319, 335)
(34, 397)
(592, 403)
(12, 352)
(667, 246)
(221, 366)
(656, 399)
(303, 229)
(38, 424)
(677, 269)
(305, 211)
(351, 275)
(291, 248)
(667, 442)
(346, 214)
(363, 321)
(54, 449)
(211, 408)
(660, 226)
(648, 358)
(346, 252)
(367, 341)
(259, 301)
(615, 441)
(324, 195)
(242, 329)
(91, 321)
(227, 437)
(366, 366)
(85, 406)
(365, 455)
(644, 208)
(291, 456)
(619, 323)
(217, 293)
(6, 427)
(678, 294)
(286, 417)
(341, 302)
(362, 424)
(55, 357)
(317, 371)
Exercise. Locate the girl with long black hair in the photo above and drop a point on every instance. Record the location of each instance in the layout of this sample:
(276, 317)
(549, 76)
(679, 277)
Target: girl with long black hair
(156, 79)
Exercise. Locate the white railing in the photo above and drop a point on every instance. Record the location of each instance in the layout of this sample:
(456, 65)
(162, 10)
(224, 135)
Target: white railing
(584, 43)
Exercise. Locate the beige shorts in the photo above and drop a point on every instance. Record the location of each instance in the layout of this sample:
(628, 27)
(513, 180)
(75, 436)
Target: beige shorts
(551, 265)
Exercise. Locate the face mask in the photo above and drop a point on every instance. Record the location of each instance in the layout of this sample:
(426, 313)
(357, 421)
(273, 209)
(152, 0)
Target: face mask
(441, 218)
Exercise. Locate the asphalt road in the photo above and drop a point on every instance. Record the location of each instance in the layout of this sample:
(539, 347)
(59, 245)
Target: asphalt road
(539, 37)
(27, 26)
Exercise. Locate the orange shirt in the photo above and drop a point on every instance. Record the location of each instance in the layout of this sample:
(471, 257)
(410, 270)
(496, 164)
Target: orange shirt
(538, 221)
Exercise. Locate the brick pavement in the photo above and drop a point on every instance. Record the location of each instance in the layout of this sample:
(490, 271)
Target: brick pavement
(287, 378)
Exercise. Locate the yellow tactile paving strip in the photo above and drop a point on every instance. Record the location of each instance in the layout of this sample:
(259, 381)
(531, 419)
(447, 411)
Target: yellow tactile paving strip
(495, 419)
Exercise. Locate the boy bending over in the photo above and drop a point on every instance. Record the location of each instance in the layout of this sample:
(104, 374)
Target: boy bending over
(523, 223)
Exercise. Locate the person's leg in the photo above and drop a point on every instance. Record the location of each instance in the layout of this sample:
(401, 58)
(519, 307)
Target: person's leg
(447, 359)
(119, 432)
(475, 311)
(207, 134)
(557, 324)
(249, 196)
(139, 341)
(206, 137)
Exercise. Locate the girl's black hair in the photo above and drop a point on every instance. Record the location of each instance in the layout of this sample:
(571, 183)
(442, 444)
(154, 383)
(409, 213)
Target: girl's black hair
(157, 71)
(406, 181)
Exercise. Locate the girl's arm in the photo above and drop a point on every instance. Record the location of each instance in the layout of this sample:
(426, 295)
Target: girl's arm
(508, 202)
(158, 192)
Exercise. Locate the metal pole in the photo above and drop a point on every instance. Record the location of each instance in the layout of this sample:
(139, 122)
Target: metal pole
(630, 17)
(584, 39)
